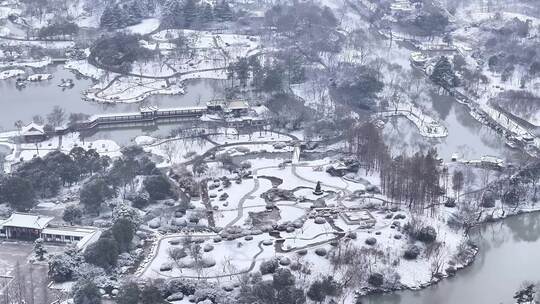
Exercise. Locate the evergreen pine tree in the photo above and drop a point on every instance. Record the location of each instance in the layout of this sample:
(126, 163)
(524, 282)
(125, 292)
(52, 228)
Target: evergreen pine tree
(39, 250)
(443, 73)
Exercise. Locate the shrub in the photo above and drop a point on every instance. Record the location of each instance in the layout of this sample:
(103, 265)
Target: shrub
(158, 187)
(488, 199)
(176, 285)
(86, 292)
(376, 279)
(411, 252)
(320, 251)
(285, 261)
(61, 268)
(427, 234)
(371, 241)
(450, 202)
(176, 253)
(352, 235)
(269, 266)
(103, 253)
(208, 262)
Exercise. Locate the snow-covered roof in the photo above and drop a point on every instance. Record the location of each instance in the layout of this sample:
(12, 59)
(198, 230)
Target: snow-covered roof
(237, 105)
(24, 220)
(32, 129)
(70, 231)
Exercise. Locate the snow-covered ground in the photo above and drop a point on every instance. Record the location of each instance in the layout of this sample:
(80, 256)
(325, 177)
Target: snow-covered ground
(64, 143)
(145, 27)
(129, 89)
(10, 74)
(229, 258)
(27, 63)
(84, 68)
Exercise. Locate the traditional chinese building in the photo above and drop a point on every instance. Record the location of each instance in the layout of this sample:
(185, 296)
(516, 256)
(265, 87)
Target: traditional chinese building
(29, 227)
(33, 133)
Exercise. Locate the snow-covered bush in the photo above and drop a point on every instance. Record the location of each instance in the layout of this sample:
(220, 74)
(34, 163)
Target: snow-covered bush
(320, 251)
(209, 293)
(371, 241)
(450, 202)
(124, 211)
(166, 267)
(427, 234)
(178, 296)
(61, 268)
(376, 279)
(176, 253)
(284, 261)
(176, 285)
(302, 252)
(269, 266)
(88, 271)
(208, 262)
(411, 252)
(320, 220)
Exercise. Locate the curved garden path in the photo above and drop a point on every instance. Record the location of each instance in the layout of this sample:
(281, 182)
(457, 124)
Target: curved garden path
(343, 191)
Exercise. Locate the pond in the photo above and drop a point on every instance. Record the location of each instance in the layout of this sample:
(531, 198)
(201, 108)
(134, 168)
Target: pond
(40, 98)
(507, 258)
(466, 136)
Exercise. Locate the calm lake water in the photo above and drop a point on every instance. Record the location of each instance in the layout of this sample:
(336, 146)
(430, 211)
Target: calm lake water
(466, 135)
(508, 256)
(40, 98)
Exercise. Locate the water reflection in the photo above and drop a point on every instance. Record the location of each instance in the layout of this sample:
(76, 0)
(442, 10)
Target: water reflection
(465, 135)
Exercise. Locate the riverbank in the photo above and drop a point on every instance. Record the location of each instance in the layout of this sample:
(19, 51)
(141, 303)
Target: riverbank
(475, 251)
(469, 258)
(503, 262)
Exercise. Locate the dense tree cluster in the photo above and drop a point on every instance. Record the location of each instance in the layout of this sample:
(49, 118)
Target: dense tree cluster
(58, 29)
(43, 177)
(412, 180)
(281, 289)
(118, 52)
(288, 111)
(274, 75)
(122, 175)
(191, 13)
(311, 28)
(120, 15)
(431, 23)
(366, 143)
(357, 87)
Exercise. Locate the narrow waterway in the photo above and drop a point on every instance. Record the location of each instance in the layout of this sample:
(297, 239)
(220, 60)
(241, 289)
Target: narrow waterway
(508, 256)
